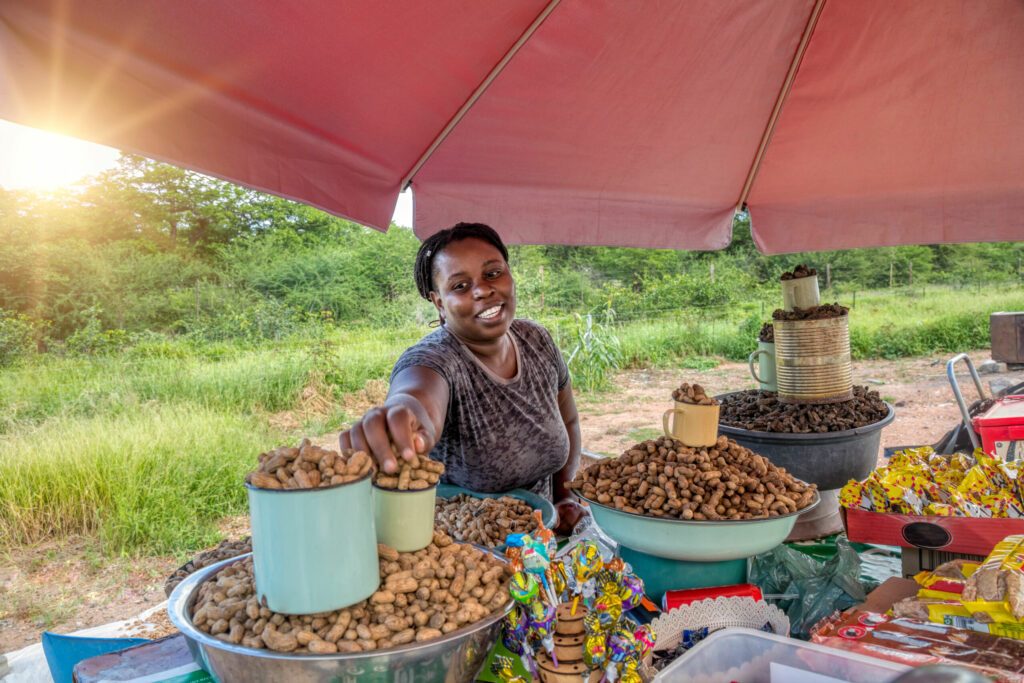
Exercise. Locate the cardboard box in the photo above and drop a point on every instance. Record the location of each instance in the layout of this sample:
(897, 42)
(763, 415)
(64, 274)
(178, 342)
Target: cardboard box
(888, 594)
(968, 535)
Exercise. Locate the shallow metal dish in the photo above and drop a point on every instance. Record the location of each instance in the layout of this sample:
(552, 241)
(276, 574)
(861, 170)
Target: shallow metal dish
(694, 540)
(455, 657)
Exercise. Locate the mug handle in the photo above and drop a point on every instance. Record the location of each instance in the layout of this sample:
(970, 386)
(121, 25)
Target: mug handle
(664, 420)
(750, 362)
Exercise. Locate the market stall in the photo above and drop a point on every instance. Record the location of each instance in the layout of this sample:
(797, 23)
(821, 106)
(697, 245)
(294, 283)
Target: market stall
(836, 124)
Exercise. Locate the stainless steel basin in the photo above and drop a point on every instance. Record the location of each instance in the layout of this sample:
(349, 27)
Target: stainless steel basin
(453, 658)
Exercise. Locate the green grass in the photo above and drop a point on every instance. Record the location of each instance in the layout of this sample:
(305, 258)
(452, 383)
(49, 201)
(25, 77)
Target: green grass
(146, 449)
(155, 479)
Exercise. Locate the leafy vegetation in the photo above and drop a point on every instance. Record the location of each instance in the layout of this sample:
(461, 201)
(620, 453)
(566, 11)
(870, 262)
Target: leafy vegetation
(159, 328)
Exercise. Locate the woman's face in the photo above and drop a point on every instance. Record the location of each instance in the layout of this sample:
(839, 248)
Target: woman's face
(473, 290)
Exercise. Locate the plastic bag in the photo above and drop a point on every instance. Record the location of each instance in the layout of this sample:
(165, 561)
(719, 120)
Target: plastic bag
(808, 590)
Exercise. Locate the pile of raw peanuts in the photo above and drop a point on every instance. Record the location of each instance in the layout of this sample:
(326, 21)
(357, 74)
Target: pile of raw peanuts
(423, 595)
(664, 478)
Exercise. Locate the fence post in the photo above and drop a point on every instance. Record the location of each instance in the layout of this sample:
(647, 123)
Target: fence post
(910, 273)
(828, 276)
(854, 304)
(891, 273)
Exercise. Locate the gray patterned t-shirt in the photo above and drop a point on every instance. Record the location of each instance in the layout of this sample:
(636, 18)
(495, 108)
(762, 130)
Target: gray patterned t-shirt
(499, 434)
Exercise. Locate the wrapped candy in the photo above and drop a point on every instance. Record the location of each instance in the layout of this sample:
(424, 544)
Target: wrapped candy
(501, 667)
(541, 620)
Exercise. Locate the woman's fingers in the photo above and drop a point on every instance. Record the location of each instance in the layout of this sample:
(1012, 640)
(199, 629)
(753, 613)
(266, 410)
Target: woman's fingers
(411, 436)
(370, 434)
(375, 431)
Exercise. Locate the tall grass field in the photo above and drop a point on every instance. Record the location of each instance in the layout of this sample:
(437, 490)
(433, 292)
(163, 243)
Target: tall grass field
(146, 449)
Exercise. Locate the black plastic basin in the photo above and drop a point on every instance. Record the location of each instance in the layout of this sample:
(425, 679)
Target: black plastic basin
(828, 460)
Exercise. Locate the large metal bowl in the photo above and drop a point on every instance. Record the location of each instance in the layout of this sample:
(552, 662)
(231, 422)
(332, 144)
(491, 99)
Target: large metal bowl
(455, 657)
(694, 541)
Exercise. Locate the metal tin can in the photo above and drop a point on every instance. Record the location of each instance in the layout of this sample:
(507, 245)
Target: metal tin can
(812, 360)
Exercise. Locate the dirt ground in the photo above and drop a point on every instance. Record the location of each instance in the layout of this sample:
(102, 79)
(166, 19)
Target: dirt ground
(68, 586)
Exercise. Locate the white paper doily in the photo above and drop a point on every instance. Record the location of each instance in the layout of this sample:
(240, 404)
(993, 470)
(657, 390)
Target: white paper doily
(715, 614)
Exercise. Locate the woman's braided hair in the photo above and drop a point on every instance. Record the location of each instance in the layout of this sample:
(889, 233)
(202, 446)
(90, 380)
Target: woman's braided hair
(435, 244)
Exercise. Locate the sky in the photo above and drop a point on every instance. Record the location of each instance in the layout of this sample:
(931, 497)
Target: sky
(36, 159)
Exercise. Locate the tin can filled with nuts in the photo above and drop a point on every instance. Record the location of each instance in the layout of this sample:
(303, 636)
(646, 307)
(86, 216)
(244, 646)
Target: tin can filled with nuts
(312, 508)
(403, 504)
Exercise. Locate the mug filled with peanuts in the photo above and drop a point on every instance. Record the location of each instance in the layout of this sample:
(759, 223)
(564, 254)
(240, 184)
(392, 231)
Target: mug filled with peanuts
(694, 419)
(403, 503)
(311, 507)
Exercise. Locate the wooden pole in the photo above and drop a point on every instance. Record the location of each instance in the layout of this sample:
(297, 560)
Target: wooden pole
(712, 272)
(828, 276)
(910, 273)
(892, 272)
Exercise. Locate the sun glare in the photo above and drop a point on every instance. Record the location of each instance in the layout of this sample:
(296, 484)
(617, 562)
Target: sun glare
(36, 159)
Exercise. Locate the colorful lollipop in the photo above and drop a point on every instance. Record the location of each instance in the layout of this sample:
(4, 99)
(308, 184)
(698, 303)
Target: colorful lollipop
(515, 637)
(595, 651)
(586, 562)
(541, 619)
(630, 673)
(631, 591)
(608, 605)
(523, 588)
(645, 639)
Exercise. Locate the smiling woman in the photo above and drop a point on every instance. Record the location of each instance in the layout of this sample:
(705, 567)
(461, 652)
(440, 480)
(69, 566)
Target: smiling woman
(36, 159)
(487, 394)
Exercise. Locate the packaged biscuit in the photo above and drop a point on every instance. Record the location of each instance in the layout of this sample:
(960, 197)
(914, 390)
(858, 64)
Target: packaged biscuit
(995, 592)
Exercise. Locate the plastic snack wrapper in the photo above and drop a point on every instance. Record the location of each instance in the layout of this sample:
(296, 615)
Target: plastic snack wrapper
(916, 643)
(919, 481)
(995, 592)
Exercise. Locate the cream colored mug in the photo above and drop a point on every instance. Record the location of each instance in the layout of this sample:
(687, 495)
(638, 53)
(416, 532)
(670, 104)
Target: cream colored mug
(694, 425)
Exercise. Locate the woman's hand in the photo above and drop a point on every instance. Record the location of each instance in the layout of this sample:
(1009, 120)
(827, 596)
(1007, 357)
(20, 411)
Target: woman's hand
(569, 514)
(385, 425)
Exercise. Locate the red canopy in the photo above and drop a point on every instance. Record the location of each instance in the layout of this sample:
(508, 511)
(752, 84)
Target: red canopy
(841, 123)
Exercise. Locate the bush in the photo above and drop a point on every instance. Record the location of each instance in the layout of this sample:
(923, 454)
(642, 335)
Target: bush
(18, 335)
(93, 341)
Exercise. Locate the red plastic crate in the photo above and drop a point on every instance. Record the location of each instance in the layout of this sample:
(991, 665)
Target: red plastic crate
(1001, 427)
(973, 536)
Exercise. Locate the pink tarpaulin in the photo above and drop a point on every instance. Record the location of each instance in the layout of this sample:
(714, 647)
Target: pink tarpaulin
(840, 123)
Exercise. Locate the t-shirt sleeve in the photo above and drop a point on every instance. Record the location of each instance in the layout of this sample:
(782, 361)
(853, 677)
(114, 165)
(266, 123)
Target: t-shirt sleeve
(424, 354)
(555, 354)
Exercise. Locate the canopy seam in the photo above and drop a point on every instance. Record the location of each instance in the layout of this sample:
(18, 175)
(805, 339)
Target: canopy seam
(476, 94)
(787, 85)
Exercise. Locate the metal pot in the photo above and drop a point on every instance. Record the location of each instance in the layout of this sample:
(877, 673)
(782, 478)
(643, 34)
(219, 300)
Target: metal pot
(455, 657)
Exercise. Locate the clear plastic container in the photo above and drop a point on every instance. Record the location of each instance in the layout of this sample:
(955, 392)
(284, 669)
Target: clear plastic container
(744, 655)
